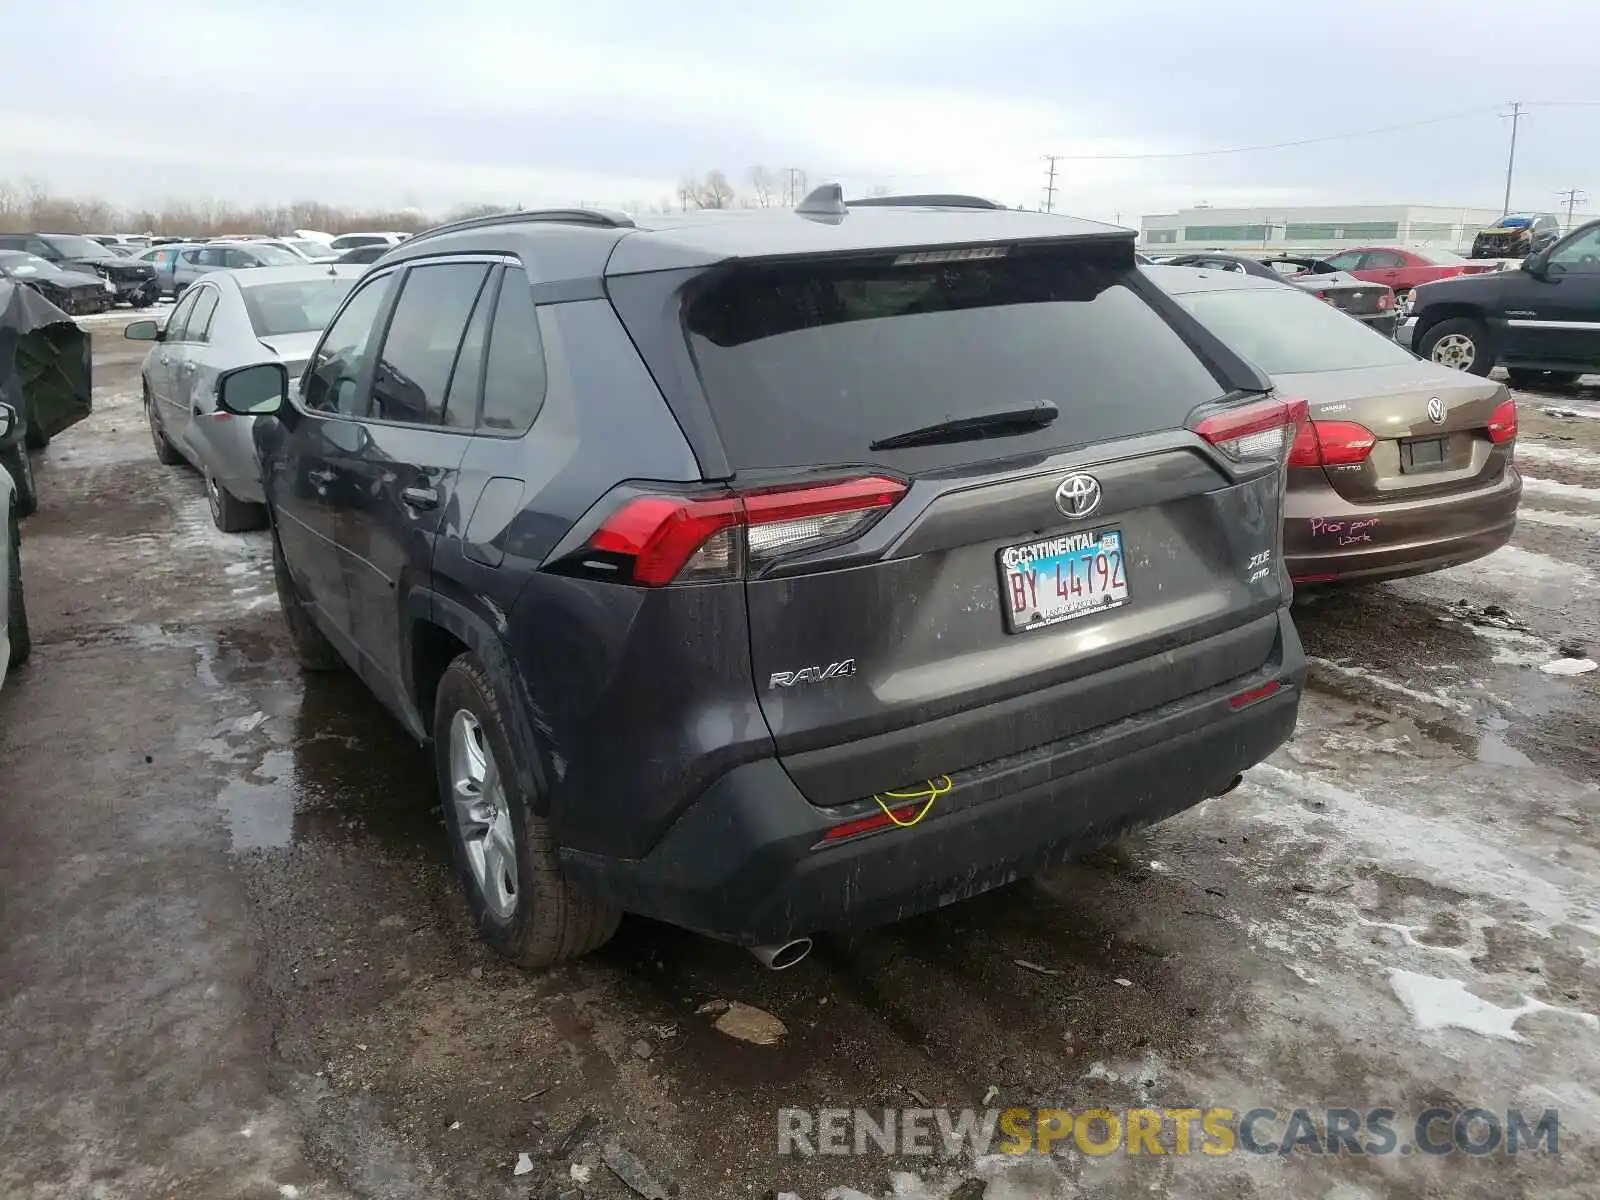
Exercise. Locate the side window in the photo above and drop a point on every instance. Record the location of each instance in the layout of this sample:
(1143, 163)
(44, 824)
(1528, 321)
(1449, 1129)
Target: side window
(42, 248)
(205, 307)
(514, 374)
(466, 384)
(179, 320)
(420, 348)
(1344, 262)
(1381, 260)
(238, 258)
(1578, 255)
(335, 371)
(209, 257)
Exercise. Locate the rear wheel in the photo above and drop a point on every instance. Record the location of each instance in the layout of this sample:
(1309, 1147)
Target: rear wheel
(166, 453)
(1526, 377)
(1460, 342)
(312, 650)
(229, 513)
(523, 905)
(20, 466)
(16, 610)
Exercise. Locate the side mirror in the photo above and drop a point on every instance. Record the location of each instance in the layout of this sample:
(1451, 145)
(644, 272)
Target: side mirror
(258, 391)
(143, 331)
(8, 421)
(1534, 265)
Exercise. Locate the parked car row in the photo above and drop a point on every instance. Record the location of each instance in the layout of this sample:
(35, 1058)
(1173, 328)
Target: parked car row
(1541, 321)
(132, 282)
(738, 494)
(1371, 304)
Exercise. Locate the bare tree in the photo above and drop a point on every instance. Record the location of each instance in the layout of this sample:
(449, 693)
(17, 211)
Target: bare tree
(715, 191)
(765, 189)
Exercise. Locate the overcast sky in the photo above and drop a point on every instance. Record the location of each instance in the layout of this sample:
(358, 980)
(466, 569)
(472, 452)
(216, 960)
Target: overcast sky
(609, 101)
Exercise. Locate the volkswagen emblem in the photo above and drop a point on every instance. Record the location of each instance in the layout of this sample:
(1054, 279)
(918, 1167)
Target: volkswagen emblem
(1078, 495)
(1436, 410)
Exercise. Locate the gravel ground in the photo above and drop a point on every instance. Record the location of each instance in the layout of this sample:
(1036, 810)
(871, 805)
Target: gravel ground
(233, 962)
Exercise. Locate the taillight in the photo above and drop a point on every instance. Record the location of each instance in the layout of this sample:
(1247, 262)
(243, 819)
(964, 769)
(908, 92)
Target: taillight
(1265, 429)
(696, 539)
(1503, 422)
(1385, 301)
(1331, 444)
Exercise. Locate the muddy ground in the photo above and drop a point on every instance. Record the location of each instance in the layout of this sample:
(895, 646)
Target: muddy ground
(233, 962)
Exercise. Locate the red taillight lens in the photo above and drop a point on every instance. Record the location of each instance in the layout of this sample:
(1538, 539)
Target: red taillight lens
(681, 539)
(878, 820)
(1245, 699)
(1265, 429)
(1385, 301)
(1503, 422)
(1331, 444)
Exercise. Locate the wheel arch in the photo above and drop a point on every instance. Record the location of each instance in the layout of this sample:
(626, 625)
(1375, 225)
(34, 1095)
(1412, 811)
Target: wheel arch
(438, 630)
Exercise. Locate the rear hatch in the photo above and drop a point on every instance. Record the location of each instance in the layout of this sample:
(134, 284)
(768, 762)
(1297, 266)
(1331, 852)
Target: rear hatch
(996, 589)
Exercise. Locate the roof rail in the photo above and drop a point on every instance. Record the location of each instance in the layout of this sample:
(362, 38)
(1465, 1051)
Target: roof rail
(601, 217)
(933, 200)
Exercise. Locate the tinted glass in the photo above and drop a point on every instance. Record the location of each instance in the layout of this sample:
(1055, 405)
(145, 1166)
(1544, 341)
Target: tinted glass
(1284, 330)
(72, 246)
(205, 307)
(279, 308)
(1381, 260)
(808, 363)
(1345, 262)
(273, 256)
(514, 380)
(332, 375)
(466, 384)
(425, 334)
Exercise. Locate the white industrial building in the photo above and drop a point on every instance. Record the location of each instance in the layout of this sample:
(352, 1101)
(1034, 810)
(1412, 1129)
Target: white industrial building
(1328, 227)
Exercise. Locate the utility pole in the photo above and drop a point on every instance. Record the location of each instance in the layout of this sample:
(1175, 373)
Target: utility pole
(795, 180)
(1511, 159)
(1050, 184)
(1574, 197)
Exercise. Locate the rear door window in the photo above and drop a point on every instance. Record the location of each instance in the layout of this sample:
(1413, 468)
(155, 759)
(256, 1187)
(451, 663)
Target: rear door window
(514, 378)
(809, 363)
(205, 307)
(423, 341)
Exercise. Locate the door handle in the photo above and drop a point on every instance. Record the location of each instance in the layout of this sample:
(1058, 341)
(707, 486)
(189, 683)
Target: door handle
(421, 497)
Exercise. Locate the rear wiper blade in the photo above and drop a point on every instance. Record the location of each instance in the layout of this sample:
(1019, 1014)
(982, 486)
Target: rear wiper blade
(995, 423)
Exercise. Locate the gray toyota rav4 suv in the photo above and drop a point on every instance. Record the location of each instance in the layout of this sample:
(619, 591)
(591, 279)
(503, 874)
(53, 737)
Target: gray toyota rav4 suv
(779, 572)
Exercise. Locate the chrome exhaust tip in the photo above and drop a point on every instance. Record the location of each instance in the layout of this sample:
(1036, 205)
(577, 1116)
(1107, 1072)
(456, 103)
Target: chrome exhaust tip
(783, 955)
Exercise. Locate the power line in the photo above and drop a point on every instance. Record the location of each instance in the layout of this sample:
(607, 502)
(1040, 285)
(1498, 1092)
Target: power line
(1311, 141)
(1050, 184)
(1511, 159)
(1574, 196)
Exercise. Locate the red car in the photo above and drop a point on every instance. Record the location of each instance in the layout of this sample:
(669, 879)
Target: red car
(1403, 269)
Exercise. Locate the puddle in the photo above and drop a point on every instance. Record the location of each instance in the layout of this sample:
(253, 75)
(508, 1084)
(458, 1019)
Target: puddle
(1494, 749)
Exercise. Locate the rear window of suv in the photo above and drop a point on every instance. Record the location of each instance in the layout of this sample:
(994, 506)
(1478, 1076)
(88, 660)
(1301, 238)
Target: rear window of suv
(809, 363)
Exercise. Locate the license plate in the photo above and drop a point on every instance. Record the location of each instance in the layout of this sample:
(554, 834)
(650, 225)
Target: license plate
(1423, 454)
(1062, 578)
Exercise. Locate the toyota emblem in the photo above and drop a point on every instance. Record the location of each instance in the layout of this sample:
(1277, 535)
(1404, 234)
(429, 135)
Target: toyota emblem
(1436, 410)
(1078, 495)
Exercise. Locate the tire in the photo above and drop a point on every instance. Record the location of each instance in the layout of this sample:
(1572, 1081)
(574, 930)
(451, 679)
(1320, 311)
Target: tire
(312, 650)
(541, 919)
(16, 610)
(229, 513)
(35, 438)
(166, 453)
(1465, 345)
(20, 467)
(1529, 378)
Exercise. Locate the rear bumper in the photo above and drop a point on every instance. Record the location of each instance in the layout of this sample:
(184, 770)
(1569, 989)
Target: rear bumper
(1388, 541)
(744, 862)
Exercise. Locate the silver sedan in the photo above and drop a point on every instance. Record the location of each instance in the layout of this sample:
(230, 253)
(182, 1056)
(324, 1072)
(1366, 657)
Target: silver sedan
(230, 319)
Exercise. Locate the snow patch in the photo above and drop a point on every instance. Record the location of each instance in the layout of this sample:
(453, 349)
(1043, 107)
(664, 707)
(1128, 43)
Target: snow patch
(1533, 485)
(1436, 1003)
(1551, 516)
(1569, 666)
(1391, 685)
(1562, 455)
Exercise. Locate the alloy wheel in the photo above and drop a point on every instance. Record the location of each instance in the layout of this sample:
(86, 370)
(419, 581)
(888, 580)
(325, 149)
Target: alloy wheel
(1455, 350)
(483, 821)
